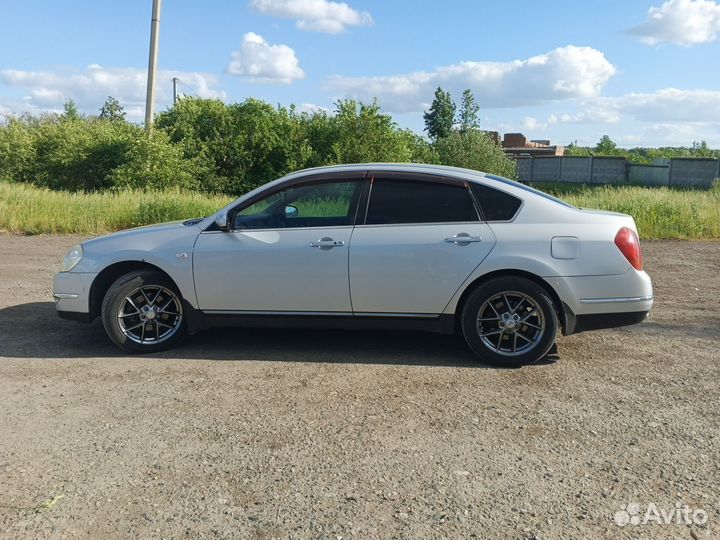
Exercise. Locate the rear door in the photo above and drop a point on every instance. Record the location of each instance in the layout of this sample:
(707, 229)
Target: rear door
(420, 239)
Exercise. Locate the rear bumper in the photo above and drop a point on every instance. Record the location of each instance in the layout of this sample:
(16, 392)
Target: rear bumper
(597, 321)
(595, 302)
(630, 292)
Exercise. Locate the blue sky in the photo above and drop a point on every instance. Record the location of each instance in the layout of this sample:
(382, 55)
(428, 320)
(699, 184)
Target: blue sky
(644, 72)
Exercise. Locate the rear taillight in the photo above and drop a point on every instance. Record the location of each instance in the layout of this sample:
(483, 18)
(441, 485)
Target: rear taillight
(627, 242)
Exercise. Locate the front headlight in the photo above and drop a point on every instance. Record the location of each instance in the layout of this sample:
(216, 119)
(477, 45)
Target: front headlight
(73, 257)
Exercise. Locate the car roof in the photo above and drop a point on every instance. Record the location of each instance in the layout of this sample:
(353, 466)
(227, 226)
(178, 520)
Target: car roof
(394, 167)
(471, 175)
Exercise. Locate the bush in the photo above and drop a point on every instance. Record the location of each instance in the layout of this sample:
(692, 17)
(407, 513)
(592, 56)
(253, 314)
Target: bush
(16, 149)
(152, 162)
(78, 154)
(474, 149)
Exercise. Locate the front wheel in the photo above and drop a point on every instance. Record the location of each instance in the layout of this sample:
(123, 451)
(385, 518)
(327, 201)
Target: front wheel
(509, 321)
(142, 312)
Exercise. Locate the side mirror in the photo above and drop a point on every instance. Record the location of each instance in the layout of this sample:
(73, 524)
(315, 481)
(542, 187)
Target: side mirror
(222, 222)
(291, 211)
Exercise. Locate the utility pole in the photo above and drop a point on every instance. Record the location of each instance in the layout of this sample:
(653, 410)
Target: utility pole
(152, 64)
(175, 80)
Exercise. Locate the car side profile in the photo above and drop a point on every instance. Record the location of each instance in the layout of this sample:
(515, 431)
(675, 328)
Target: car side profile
(368, 246)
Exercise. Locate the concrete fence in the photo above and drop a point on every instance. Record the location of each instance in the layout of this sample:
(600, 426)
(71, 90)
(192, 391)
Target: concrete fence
(687, 172)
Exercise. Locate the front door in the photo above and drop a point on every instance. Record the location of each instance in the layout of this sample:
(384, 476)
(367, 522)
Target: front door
(287, 252)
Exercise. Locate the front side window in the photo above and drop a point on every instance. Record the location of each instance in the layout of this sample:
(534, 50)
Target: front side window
(329, 204)
(407, 201)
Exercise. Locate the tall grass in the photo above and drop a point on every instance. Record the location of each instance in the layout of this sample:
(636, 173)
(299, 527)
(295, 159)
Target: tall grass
(32, 210)
(660, 213)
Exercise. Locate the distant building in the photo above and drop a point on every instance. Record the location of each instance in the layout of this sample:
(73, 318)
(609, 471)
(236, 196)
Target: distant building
(517, 144)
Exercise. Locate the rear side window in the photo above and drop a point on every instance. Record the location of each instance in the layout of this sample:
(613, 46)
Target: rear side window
(496, 205)
(407, 201)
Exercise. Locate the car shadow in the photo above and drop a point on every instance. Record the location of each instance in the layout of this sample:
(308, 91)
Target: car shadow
(33, 330)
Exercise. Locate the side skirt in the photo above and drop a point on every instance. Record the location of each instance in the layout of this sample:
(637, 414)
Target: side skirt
(199, 320)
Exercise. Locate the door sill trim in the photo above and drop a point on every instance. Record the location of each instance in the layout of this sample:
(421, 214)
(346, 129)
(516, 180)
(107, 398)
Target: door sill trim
(278, 313)
(443, 324)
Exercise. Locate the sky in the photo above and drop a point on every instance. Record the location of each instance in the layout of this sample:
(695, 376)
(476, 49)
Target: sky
(646, 73)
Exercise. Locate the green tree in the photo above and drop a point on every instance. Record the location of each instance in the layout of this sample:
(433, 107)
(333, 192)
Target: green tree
(112, 110)
(701, 149)
(606, 146)
(203, 129)
(441, 116)
(70, 110)
(80, 154)
(474, 150)
(16, 148)
(468, 114)
(363, 134)
(150, 161)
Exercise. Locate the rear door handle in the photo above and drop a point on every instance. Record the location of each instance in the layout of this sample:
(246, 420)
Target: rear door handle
(463, 238)
(327, 243)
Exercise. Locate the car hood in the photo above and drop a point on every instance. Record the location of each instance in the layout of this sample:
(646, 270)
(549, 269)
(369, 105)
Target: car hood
(143, 238)
(144, 231)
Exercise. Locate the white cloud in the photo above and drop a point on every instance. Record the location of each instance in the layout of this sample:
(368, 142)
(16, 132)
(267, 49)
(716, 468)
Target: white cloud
(679, 134)
(589, 116)
(563, 73)
(533, 124)
(662, 106)
(667, 105)
(315, 15)
(683, 22)
(47, 90)
(265, 63)
(311, 108)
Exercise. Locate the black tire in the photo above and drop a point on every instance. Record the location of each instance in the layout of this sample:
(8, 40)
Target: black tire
(115, 302)
(496, 345)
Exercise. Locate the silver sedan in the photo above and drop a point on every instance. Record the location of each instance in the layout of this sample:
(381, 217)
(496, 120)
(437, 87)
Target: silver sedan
(369, 246)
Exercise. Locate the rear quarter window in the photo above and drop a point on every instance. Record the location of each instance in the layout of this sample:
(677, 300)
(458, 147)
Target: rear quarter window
(496, 205)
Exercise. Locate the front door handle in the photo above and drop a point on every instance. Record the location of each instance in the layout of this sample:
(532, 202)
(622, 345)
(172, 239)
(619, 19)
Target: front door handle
(327, 243)
(463, 238)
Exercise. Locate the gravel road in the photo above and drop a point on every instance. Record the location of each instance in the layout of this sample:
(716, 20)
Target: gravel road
(329, 434)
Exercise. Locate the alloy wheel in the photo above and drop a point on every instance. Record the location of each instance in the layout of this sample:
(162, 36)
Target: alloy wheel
(510, 323)
(150, 314)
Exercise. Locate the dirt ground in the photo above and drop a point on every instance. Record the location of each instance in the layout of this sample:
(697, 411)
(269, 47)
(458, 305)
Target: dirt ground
(330, 434)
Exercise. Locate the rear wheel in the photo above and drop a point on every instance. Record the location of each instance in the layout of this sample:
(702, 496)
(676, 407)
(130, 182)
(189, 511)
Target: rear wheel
(509, 321)
(142, 312)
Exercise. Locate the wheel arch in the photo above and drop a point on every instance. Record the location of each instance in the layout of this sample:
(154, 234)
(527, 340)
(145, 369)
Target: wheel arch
(110, 274)
(512, 272)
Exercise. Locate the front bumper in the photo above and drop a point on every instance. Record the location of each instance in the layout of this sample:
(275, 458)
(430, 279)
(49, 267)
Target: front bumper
(71, 292)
